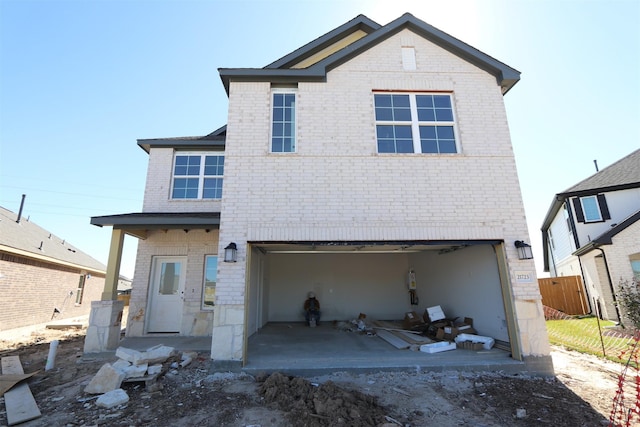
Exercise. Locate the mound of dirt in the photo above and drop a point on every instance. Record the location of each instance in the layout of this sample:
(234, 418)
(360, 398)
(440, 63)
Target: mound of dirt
(319, 405)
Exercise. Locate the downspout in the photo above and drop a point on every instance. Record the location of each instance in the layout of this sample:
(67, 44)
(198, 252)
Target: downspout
(613, 293)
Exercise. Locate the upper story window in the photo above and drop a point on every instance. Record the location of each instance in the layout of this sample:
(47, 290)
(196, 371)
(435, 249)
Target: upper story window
(197, 176)
(415, 123)
(283, 122)
(591, 208)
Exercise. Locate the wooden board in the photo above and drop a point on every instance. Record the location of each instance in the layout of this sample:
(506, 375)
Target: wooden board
(395, 341)
(412, 338)
(20, 404)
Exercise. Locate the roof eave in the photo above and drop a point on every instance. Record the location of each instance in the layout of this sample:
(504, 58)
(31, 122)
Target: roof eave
(183, 144)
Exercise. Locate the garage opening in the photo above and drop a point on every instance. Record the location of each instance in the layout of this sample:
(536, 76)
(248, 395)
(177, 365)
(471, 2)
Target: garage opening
(373, 278)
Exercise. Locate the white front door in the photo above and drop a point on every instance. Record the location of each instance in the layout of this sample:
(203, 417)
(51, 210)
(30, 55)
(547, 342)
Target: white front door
(166, 294)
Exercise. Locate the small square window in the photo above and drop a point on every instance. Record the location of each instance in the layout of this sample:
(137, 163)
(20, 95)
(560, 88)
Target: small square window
(591, 209)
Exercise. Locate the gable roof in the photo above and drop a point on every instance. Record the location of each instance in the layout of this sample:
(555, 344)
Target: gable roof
(364, 34)
(27, 239)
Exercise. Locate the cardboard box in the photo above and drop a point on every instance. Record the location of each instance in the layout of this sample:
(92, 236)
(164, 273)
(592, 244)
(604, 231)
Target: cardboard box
(469, 345)
(450, 332)
(487, 342)
(411, 320)
(433, 314)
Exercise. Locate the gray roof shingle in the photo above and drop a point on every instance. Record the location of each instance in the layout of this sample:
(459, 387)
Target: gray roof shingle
(29, 237)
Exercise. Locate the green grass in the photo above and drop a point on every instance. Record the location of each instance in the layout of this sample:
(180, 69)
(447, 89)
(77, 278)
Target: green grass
(583, 335)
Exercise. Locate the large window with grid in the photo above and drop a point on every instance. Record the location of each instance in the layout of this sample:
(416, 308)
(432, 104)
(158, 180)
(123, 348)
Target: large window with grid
(283, 122)
(197, 176)
(415, 123)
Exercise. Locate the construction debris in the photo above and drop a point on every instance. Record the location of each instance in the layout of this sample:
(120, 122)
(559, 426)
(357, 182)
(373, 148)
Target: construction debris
(20, 404)
(113, 398)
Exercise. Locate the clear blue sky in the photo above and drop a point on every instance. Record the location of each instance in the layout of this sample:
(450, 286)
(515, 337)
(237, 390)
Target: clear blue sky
(80, 81)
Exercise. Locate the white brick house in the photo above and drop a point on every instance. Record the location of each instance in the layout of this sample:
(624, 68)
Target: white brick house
(368, 153)
(592, 230)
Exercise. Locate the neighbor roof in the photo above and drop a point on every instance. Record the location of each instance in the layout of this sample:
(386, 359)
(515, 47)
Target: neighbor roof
(621, 175)
(27, 239)
(607, 237)
(367, 34)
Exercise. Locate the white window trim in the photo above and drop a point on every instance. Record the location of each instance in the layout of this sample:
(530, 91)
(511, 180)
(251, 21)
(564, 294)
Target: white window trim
(201, 175)
(415, 124)
(293, 91)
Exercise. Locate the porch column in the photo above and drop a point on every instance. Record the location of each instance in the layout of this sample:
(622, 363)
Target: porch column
(110, 291)
(105, 319)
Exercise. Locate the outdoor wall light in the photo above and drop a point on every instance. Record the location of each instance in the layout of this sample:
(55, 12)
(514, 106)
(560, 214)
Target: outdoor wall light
(230, 252)
(524, 250)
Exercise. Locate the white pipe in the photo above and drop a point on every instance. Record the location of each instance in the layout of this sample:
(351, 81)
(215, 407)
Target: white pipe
(51, 358)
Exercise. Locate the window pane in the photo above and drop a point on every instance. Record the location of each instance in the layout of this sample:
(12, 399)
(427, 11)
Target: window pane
(384, 132)
(283, 123)
(213, 165)
(434, 108)
(447, 146)
(404, 146)
(185, 188)
(402, 132)
(444, 115)
(425, 101)
(400, 101)
(169, 278)
(591, 208)
(382, 100)
(210, 278)
(386, 146)
(394, 139)
(429, 146)
(442, 101)
(437, 139)
(428, 132)
(187, 165)
(212, 188)
(444, 132)
(425, 115)
(384, 114)
(288, 145)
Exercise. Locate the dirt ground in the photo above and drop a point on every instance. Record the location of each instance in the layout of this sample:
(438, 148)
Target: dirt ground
(581, 395)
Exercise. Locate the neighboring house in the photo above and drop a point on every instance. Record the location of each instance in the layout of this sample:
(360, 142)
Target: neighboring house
(43, 277)
(371, 152)
(592, 230)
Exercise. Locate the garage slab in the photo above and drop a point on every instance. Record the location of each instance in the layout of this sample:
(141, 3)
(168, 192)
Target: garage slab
(296, 349)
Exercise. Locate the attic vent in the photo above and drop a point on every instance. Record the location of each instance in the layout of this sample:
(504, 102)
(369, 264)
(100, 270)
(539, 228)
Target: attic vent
(408, 58)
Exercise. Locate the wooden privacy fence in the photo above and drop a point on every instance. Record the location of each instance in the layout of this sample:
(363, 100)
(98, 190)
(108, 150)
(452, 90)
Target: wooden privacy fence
(565, 294)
